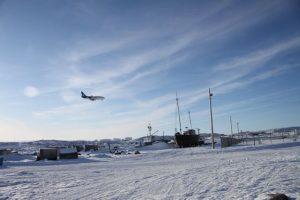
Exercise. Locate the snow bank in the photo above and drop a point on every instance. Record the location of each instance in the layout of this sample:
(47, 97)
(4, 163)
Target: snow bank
(157, 146)
(241, 172)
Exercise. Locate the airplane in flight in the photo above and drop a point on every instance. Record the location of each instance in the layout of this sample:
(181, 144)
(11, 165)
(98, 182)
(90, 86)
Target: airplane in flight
(92, 98)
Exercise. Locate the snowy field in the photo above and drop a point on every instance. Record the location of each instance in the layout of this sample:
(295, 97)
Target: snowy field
(240, 172)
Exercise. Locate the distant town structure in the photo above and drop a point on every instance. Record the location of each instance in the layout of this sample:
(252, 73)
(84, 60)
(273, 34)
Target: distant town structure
(128, 138)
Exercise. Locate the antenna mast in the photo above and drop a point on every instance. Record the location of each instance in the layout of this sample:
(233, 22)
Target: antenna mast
(190, 120)
(178, 112)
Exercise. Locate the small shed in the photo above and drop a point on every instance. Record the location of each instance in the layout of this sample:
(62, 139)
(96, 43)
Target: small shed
(48, 153)
(1, 160)
(89, 147)
(229, 141)
(5, 152)
(79, 148)
(68, 153)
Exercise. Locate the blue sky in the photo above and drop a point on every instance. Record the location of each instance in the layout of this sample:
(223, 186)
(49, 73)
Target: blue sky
(138, 54)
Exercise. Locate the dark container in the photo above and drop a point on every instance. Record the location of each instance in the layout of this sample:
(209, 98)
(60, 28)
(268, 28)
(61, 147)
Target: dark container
(189, 138)
(89, 147)
(48, 153)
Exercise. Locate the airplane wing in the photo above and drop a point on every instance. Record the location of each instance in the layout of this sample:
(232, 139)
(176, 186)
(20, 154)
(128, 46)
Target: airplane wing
(99, 97)
(93, 98)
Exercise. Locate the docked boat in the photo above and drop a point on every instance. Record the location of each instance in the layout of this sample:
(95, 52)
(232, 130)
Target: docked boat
(188, 138)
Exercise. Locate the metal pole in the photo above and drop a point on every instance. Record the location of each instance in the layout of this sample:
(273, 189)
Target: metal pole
(238, 129)
(242, 136)
(178, 112)
(190, 120)
(231, 127)
(211, 120)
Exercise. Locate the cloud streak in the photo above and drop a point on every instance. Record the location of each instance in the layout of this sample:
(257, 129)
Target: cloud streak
(261, 56)
(162, 107)
(132, 63)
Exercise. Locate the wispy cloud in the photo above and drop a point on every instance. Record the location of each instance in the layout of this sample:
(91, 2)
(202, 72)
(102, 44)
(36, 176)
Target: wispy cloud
(229, 74)
(68, 110)
(256, 59)
(229, 87)
(162, 106)
(253, 102)
(87, 48)
(134, 61)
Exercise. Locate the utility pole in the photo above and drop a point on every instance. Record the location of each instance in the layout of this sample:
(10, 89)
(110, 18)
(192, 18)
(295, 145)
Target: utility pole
(211, 120)
(231, 127)
(242, 135)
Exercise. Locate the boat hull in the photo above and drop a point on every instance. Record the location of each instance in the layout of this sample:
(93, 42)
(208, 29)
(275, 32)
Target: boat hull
(187, 140)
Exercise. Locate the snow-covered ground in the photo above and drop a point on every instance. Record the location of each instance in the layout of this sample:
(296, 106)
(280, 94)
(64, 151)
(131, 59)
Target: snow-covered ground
(239, 172)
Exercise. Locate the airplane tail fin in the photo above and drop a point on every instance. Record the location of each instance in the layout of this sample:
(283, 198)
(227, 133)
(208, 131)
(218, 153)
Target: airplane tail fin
(83, 95)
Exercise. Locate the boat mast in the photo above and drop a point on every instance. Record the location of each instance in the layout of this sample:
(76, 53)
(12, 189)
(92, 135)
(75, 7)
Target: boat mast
(190, 120)
(178, 112)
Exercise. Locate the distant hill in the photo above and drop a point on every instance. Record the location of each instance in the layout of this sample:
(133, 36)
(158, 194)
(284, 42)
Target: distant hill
(287, 129)
(155, 137)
